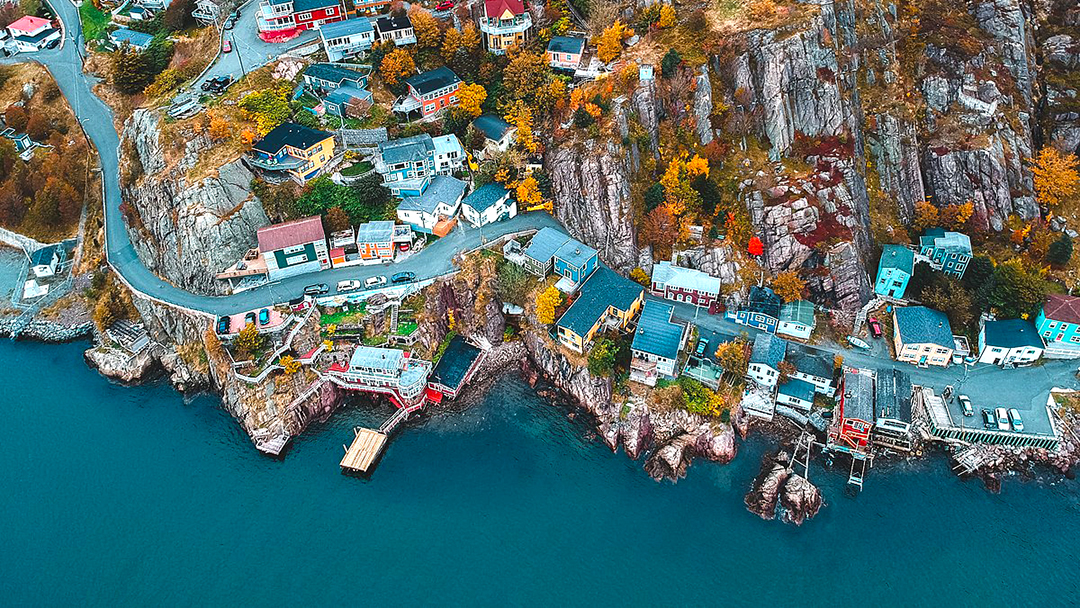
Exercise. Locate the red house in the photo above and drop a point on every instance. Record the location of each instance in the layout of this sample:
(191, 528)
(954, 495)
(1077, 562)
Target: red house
(855, 412)
(279, 19)
(429, 93)
(685, 285)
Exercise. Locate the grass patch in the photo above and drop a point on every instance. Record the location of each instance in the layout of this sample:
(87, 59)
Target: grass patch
(343, 316)
(443, 346)
(407, 328)
(95, 23)
(357, 168)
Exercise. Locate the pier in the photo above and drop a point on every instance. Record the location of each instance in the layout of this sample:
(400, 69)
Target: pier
(365, 449)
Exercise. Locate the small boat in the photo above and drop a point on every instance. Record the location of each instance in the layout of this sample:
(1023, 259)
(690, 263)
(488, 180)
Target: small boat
(858, 343)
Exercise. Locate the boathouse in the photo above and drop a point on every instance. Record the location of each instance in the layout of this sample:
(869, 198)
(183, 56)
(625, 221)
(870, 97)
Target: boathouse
(455, 368)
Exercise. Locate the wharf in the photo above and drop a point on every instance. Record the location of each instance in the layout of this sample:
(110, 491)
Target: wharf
(365, 449)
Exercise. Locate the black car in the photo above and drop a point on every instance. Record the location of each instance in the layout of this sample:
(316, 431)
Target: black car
(217, 84)
(989, 419)
(403, 277)
(53, 43)
(316, 290)
(223, 325)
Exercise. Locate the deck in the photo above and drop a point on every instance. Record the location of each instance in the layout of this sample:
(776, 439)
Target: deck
(365, 448)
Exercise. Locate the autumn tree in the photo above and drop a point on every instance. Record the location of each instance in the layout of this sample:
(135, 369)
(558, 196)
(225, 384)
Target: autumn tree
(470, 37)
(1055, 177)
(471, 97)
(525, 74)
(520, 115)
(609, 44)
(38, 126)
(926, 216)
(426, 27)
(955, 217)
(289, 364)
(660, 231)
(667, 16)
(602, 357)
(638, 275)
(249, 340)
(546, 303)
(16, 117)
(788, 286)
(220, 127)
(950, 297)
(755, 246)
(396, 65)
(528, 193)
(1017, 291)
(732, 358)
(178, 15)
(451, 43)
(337, 220)
(267, 107)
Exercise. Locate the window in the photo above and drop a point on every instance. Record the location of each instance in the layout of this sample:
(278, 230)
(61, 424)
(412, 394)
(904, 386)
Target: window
(1076, 339)
(330, 11)
(303, 16)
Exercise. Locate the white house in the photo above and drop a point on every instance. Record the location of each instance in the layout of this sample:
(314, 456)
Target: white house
(498, 134)
(439, 202)
(347, 39)
(488, 203)
(796, 320)
(32, 33)
(817, 369)
(45, 262)
(657, 342)
(1013, 341)
(765, 357)
(449, 155)
(796, 393)
(294, 247)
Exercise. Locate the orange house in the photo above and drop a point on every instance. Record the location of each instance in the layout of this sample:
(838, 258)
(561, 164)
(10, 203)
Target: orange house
(430, 92)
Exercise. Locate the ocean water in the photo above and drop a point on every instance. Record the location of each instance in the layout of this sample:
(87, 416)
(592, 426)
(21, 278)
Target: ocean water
(116, 496)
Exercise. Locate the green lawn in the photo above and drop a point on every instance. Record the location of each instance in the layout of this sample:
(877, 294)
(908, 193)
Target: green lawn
(407, 328)
(345, 315)
(357, 168)
(94, 22)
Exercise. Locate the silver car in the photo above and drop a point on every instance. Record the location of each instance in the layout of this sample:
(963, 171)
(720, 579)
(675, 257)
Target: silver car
(1002, 419)
(1017, 422)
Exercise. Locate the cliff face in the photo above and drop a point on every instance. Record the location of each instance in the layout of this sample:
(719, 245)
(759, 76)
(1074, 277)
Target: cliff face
(187, 232)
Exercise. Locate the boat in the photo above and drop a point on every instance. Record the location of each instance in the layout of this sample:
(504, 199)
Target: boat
(858, 343)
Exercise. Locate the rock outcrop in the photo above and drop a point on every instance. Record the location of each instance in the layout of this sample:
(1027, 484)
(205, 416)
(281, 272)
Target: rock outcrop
(800, 500)
(778, 491)
(119, 364)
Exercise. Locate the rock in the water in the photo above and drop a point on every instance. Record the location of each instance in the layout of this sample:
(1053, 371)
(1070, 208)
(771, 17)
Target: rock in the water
(765, 493)
(799, 501)
(119, 364)
(717, 444)
(671, 460)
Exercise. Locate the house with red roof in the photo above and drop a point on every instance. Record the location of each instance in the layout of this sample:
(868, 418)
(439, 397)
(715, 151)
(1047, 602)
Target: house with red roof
(1058, 323)
(294, 247)
(282, 18)
(32, 33)
(505, 23)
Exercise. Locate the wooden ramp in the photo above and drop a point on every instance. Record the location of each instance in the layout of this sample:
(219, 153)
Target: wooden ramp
(364, 450)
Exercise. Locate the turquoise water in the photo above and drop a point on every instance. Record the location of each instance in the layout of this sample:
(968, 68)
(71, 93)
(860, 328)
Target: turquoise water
(130, 496)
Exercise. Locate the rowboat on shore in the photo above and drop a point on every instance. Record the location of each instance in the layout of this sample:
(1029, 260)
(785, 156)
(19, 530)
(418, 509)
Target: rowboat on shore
(858, 343)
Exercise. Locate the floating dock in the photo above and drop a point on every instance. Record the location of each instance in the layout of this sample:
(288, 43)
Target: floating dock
(365, 449)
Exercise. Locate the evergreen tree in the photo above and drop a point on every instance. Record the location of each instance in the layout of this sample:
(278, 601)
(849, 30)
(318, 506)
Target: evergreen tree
(1060, 251)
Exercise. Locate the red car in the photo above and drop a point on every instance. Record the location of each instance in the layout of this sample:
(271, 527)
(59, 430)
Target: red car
(875, 327)
(445, 5)
(226, 47)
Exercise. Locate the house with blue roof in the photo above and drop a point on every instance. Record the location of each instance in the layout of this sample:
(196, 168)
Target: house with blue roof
(433, 210)
(136, 40)
(894, 270)
(498, 134)
(322, 78)
(796, 393)
(658, 340)
(565, 52)
(348, 100)
(761, 310)
(607, 301)
(922, 336)
(796, 320)
(487, 204)
(766, 355)
(575, 261)
(407, 165)
(1009, 342)
(948, 252)
(539, 256)
(347, 39)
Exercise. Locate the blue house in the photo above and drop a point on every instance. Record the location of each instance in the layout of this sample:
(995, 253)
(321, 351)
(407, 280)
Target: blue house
(894, 271)
(137, 40)
(1058, 323)
(760, 311)
(538, 257)
(575, 261)
(948, 252)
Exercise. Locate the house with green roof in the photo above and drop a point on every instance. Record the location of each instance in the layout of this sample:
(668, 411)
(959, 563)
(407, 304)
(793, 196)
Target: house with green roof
(488, 204)
(658, 340)
(796, 393)
(607, 301)
(796, 320)
(895, 268)
(1010, 342)
(922, 336)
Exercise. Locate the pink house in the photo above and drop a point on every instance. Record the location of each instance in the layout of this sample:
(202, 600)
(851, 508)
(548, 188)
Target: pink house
(32, 33)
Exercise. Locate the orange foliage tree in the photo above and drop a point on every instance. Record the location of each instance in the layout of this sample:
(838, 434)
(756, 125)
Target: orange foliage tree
(397, 65)
(1055, 177)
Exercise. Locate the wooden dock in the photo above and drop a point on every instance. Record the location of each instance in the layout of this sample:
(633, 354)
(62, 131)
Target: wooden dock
(365, 449)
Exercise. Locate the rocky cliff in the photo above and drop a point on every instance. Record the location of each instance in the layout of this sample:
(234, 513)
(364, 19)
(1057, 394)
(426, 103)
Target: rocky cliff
(185, 231)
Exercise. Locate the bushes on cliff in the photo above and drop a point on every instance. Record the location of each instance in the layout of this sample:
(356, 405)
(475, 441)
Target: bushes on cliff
(113, 304)
(513, 283)
(133, 70)
(366, 201)
(602, 357)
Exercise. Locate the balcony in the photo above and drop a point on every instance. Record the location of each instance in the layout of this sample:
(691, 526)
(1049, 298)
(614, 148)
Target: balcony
(288, 163)
(509, 26)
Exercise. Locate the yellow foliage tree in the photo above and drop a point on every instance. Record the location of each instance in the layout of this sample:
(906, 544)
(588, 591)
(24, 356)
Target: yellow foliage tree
(451, 43)
(471, 97)
(697, 166)
(520, 115)
(546, 303)
(926, 215)
(525, 74)
(425, 26)
(528, 193)
(220, 128)
(396, 65)
(1055, 177)
(249, 340)
(679, 195)
(289, 364)
(954, 216)
(638, 276)
(788, 286)
(667, 16)
(610, 42)
(470, 37)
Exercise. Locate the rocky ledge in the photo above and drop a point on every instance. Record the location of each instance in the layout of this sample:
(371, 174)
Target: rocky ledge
(779, 491)
(121, 365)
(47, 331)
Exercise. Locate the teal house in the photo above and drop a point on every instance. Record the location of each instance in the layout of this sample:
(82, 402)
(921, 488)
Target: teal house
(948, 252)
(1058, 323)
(575, 261)
(894, 271)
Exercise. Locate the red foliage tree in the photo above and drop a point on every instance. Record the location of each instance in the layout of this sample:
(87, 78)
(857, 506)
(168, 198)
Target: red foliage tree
(755, 247)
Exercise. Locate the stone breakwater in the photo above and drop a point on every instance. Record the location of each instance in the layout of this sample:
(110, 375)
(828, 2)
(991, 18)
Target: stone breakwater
(46, 331)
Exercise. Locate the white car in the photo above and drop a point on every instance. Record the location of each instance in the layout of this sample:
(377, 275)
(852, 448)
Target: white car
(374, 281)
(965, 403)
(1002, 419)
(344, 286)
(1017, 422)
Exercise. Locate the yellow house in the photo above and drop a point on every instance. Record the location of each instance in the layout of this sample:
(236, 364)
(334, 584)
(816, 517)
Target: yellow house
(295, 150)
(606, 301)
(922, 336)
(505, 23)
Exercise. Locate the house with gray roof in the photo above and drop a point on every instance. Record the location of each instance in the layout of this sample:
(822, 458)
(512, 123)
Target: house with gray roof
(498, 134)
(813, 366)
(565, 52)
(430, 211)
(766, 355)
(796, 320)
(539, 256)
(322, 78)
(1010, 342)
(347, 39)
(685, 285)
(408, 164)
(488, 204)
(139, 41)
(922, 336)
(796, 393)
(657, 342)
(948, 252)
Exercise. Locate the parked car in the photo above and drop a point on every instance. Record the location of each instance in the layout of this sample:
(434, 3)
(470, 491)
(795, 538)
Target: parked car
(264, 316)
(350, 285)
(53, 43)
(249, 319)
(374, 281)
(875, 327)
(226, 47)
(965, 403)
(223, 325)
(403, 247)
(702, 346)
(1002, 419)
(230, 23)
(235, 15)
(1017, 421)
(217, 84)
(316, 290)
(445, 5)
(403, 277)
(988, 419)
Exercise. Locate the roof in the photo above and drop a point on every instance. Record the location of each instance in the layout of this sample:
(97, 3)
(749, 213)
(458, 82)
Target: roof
(922, 325)
(897, 256)
(893, 395)
(28, 23)
(433, 80)
(810, 363)
(768, 350)
(445, 144)
(348, 27)
(799, 389)
(442, 189)
(603, 288)
(858, 395)
(289, 234)
(346, 93)
(289, 134)
(43, 256)
(136, 39)
(485, 196)
(1062, 308)
(332, 73)
(566, 44)
(407, 149)
(375, 232)
(685, 278)
(799, 311)
(1012, 333)
(763, 300)
(300, 6)
(390, 23)
(383, 359)
(575, 253)
(952, 242)
(491, 126)
(656, 333)
(545, 243)
(497, 8)
(456, 360)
